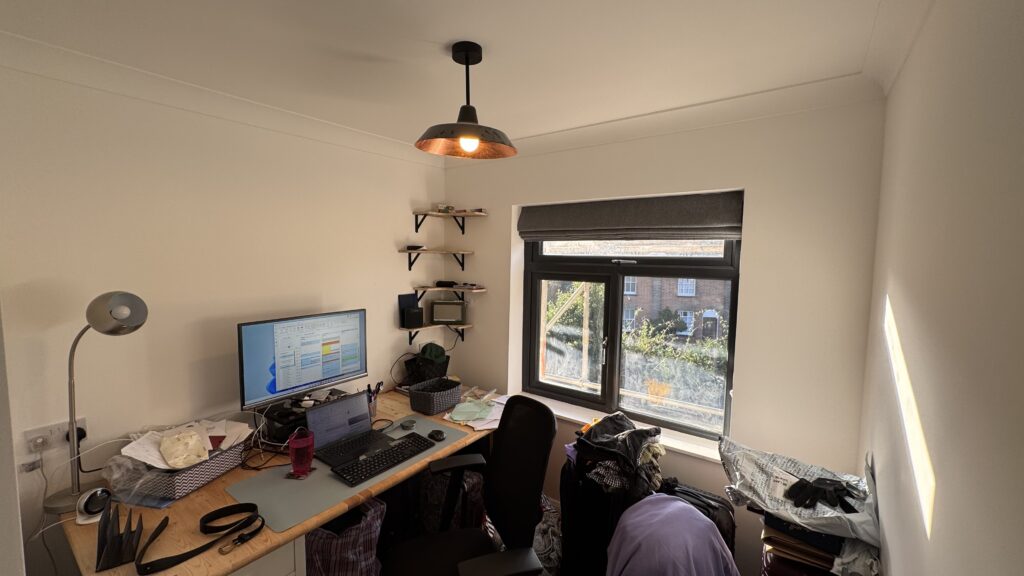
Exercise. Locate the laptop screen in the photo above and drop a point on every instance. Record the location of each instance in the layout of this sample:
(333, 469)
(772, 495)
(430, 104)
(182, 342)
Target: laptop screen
(335, 420)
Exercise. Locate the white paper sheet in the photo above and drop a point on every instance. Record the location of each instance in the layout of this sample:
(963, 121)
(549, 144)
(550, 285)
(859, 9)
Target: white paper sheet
(234, 432)
(147, 449)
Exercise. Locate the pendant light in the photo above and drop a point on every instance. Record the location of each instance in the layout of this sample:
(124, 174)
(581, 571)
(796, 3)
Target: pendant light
(466, 138)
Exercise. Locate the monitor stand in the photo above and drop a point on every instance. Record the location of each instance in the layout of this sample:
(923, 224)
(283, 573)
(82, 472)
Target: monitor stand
(286, 416)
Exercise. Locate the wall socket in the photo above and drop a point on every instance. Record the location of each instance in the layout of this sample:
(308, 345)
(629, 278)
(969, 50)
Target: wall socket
(51, 436)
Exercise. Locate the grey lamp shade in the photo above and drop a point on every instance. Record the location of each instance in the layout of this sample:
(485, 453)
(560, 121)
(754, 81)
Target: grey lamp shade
(443, 139)
(116, 313)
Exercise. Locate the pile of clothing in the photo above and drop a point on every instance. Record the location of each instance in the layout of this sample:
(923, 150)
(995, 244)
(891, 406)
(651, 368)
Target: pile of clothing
(626, 456)
(615, 521)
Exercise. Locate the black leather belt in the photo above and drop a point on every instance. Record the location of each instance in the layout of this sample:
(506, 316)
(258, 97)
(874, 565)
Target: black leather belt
(252, 516)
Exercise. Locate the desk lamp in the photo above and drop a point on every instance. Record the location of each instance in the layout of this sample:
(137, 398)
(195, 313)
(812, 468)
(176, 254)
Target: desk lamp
(114, 314)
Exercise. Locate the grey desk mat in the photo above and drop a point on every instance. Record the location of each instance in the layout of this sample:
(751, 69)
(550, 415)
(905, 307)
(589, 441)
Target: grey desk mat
(285, 503)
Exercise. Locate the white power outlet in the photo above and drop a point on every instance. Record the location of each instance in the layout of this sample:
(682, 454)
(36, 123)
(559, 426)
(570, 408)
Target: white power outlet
(51, 436)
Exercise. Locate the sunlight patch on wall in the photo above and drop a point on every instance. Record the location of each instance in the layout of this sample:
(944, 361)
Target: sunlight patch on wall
(920, 457)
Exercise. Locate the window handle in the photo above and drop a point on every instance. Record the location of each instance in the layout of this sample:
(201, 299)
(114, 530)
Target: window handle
(604, 349)
(618, 261)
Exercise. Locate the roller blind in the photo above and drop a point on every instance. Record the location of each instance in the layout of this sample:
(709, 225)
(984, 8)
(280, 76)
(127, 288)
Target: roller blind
(685, 217)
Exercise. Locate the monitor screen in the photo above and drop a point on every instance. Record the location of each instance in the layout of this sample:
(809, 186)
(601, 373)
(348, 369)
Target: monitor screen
(290, 356)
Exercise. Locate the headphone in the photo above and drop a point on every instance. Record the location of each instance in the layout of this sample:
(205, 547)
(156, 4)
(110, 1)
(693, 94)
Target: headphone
(91, 505)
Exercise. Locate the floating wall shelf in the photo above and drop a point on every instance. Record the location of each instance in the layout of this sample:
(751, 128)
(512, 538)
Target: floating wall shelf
(458, 215)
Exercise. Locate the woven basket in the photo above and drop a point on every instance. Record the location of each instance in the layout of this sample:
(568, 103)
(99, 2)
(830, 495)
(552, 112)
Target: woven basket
(175, 484)
(434, 396)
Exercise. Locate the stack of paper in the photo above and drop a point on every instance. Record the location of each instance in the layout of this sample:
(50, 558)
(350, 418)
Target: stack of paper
(220, 434)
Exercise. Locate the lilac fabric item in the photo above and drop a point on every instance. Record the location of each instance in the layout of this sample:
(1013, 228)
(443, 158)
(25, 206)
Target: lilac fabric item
(662, 534)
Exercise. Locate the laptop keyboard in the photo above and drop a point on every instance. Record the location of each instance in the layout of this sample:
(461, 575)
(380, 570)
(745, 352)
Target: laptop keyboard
(350, 445)
(359, 471)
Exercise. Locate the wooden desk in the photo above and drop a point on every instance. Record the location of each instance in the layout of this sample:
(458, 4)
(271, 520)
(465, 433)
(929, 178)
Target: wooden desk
(183, 531)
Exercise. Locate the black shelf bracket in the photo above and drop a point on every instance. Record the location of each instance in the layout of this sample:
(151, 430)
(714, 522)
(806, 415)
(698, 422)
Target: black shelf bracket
(413, 257)
(460, 258)
(459, 332)
(420, 219)
(420, 294)
(461, 296)
(412, 336)
(461, 221)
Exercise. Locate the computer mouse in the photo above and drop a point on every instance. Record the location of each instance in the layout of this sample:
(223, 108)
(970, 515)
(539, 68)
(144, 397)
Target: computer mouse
(408, 424)
(436, 435)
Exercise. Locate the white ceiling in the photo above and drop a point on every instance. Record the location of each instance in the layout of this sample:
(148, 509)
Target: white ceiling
(383, 66)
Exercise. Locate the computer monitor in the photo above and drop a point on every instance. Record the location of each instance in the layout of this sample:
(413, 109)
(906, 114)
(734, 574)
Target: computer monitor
(292, 356)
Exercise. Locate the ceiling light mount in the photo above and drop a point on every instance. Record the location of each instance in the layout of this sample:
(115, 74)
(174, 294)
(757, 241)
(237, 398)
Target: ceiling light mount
(466, 138)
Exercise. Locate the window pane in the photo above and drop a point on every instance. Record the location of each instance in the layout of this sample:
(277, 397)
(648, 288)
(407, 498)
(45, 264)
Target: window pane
(636, 248)
(571, 335)
(675, 354)
(629, 284)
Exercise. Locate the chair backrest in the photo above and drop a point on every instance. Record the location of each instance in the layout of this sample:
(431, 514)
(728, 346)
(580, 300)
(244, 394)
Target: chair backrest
(515, 472)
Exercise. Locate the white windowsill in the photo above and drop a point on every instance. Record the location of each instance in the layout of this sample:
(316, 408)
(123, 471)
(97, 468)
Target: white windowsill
(673, 441)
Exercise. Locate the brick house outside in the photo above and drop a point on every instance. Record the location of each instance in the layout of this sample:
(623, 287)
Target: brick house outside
(702, 303)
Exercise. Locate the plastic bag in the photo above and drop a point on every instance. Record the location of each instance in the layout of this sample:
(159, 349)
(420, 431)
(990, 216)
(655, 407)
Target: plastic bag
(761, 478)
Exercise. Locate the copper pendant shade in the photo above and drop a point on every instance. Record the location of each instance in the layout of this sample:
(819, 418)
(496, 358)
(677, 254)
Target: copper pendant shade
(466, 137)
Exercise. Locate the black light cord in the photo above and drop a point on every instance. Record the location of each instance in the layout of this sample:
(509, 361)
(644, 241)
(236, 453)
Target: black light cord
(467, 84)
(391, 371)
(389, 424)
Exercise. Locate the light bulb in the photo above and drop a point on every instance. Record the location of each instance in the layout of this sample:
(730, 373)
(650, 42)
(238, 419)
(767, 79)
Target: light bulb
(469, 144)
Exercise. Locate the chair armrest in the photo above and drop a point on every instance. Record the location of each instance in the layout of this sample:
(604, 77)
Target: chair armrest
(516, 562)
(456, 462)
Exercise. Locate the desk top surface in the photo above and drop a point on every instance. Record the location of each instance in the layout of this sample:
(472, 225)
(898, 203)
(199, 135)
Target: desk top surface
(182, 533)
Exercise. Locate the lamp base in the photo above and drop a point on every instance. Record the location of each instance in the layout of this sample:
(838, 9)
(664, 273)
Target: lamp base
(64, 501)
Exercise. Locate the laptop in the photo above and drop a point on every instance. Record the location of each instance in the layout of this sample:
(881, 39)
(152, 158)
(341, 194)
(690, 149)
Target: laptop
(342, 432)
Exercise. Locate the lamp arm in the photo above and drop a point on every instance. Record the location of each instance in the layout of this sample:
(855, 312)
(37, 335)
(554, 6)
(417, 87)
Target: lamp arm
(72, 420)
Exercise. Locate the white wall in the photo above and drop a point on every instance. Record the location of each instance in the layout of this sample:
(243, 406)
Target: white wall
(10, 513)
(949, 261)
(215, 211)
(811, 181)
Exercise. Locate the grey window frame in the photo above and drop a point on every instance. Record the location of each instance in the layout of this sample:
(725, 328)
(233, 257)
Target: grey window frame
(612, 271)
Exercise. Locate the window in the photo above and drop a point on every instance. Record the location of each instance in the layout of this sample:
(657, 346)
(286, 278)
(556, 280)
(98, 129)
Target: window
(609, 334)
(686, 328)
(628, 316)
(629, 285)
(613, 318)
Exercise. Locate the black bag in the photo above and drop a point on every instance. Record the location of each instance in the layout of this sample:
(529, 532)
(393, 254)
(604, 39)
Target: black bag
(589, 518)
(715, 507)
(347, 544)
(419, 369)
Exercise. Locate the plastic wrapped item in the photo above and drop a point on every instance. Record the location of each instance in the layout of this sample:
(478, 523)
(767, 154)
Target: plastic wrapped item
(134, 482)
(761, 479)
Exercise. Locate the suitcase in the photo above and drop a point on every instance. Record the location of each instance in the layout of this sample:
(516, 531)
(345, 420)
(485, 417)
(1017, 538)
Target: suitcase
(715, 507)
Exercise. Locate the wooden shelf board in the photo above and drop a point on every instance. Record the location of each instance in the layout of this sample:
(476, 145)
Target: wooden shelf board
(425, 326)
(452, 289)
(457, 213)
(429, 251)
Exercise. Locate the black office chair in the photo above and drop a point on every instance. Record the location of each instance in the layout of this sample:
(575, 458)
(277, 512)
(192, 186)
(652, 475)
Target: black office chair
(513, 481)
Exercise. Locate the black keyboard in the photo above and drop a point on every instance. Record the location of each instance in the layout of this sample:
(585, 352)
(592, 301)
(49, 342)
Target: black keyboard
(359, 471)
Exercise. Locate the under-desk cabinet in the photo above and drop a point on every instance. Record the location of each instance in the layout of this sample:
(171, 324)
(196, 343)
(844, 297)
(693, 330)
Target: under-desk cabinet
(288, 560)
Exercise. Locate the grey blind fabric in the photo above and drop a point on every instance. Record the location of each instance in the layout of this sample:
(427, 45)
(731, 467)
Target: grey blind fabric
(684, 217)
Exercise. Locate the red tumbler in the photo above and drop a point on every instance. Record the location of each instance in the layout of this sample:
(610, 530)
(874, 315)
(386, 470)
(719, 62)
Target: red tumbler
(300, 450)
